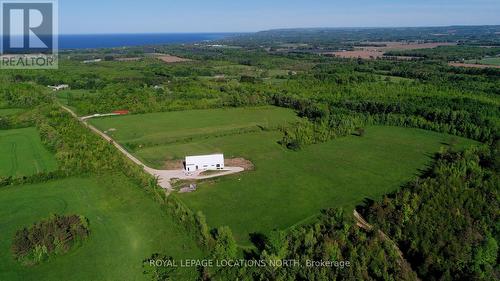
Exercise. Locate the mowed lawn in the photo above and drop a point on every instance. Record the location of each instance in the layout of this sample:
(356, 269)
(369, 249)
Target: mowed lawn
(126, 226)
(289, 187)
(22, 153)
(165, 127)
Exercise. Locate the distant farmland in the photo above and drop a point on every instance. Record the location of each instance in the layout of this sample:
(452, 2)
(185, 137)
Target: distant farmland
(491, 61)
(23, 154)
(172, 59)
(473, 65)
(487, 61)
(482, 63)
(372, 52)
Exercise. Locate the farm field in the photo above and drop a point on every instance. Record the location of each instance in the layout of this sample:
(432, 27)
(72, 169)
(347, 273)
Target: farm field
(172, 59)
(486, 61)
(473, 65)
(145, 130)
(23, 154)
(126, 227)
(289, 187)
(373, 52)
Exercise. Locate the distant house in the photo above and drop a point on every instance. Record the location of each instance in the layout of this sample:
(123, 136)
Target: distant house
(92, 61)
(59, 87)
(204, 162)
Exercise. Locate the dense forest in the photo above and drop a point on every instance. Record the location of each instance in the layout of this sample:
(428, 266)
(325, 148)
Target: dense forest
(358, 255)
(443, 220)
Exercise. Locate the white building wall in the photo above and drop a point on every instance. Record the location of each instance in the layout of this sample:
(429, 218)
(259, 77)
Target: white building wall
(205, 162)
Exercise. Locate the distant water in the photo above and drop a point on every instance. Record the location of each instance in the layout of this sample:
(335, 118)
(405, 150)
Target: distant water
(126, 40)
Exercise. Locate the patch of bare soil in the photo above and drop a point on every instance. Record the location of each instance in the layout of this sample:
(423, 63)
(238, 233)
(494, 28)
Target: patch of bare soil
(172, 59)
(239, 162)
(474, 65)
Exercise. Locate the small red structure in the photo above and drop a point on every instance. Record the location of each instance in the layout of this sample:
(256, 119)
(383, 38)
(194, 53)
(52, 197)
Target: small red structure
(121, 112)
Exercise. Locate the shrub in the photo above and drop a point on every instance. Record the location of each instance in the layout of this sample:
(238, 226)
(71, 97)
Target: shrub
(360, 132)
(53, 236)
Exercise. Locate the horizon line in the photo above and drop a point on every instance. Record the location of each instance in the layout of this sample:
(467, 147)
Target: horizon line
(283, 28)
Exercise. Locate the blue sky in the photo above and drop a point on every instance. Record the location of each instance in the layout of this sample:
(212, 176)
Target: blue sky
(156, 16)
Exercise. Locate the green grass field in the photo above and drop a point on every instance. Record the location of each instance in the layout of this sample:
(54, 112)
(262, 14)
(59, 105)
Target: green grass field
(487, 61)
(167, 127)
(9, 111)
(126, 225)
(289, 187)
(394, 79)
(23, 154)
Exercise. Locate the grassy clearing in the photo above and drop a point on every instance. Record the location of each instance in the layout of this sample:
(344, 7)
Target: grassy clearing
(9, 111)
(487, 61)
(238, 70)
(23, 154)
(288, 187)
(395, 79)
(126, 227)
(159, 128)
(66, 96)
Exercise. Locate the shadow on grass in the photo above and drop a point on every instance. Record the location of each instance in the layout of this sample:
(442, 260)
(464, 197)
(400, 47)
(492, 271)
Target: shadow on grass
(259, 241)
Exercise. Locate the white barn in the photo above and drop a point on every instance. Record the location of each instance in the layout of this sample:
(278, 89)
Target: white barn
(59, 87)
(204, 162)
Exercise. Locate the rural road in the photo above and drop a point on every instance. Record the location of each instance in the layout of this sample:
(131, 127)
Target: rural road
(163, 176)
(362, 223)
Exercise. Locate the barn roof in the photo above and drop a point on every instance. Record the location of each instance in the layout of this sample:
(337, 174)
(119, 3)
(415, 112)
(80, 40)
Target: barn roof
(204, 157)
